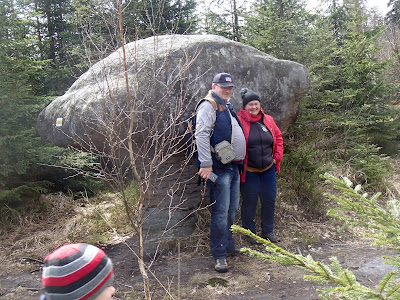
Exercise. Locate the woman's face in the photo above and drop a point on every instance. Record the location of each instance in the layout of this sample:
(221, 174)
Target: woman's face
(254, 107)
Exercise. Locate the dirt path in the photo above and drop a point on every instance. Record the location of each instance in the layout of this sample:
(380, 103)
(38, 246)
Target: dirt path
(248, 278)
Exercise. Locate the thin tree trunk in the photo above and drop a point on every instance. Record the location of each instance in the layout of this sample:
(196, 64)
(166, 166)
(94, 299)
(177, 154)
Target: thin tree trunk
(142, 267)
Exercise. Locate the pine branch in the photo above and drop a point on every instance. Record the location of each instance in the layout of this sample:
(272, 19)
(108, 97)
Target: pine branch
(395, 261)
(388, 277)
(343, 279)
(394, 292)
(359, 210)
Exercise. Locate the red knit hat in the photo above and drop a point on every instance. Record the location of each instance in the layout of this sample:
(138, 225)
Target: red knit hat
(76, 271)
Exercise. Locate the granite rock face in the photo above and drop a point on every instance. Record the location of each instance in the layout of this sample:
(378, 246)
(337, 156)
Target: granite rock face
(280, 83)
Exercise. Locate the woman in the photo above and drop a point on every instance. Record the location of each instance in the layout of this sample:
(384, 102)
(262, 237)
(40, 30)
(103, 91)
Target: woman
(264, 152)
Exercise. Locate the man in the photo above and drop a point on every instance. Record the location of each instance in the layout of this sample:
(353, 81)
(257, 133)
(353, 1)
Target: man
(216, 123)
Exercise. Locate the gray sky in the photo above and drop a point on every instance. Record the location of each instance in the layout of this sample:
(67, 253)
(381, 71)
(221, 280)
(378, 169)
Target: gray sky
(380, 4)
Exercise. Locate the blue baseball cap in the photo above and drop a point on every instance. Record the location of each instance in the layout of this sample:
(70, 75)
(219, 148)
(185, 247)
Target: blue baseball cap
(224, 79)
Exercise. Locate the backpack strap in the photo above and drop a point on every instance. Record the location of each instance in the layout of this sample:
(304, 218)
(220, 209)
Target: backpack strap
(214, 105)
(209, 99)
(191, 125)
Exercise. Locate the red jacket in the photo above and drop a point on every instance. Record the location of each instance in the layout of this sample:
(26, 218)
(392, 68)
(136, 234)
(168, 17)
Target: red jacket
(277, 150)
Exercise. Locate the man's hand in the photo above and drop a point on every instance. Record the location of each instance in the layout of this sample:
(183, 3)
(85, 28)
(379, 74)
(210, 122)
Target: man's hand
(205, 172)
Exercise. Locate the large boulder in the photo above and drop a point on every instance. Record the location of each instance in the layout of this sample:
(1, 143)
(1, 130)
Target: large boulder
(167, 76)
(280, 83)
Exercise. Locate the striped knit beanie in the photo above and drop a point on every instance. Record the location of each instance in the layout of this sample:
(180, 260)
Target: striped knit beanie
(76, 271)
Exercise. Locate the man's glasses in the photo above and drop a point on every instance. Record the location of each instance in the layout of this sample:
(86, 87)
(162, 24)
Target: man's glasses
(225, 87)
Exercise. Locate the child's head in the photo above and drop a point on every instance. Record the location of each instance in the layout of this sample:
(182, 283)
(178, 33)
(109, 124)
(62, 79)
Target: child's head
(78, 271)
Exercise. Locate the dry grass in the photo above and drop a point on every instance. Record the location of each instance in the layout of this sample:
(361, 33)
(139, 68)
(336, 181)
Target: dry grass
(94, 221)
(99, 221)
(42, 231)
(393, 183)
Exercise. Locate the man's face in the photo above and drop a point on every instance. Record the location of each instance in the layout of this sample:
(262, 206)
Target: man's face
(225, 92)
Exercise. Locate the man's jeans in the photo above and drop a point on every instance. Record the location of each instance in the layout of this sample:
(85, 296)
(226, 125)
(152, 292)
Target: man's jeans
(224, 196)
(259, 185)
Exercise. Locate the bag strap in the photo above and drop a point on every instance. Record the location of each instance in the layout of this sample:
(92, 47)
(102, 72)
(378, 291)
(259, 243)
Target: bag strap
(229, 111)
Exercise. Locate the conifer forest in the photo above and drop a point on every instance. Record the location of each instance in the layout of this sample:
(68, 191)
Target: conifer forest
(350, 114)
(348, 123)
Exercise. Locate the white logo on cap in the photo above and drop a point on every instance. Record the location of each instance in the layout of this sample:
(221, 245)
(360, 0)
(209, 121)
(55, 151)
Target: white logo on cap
(228, 79)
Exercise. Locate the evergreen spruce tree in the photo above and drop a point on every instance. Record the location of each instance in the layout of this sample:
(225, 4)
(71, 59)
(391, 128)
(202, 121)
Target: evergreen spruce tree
(280, 28)
(224, 18)
(348, 93)
(392, 40)
(23, 66)
(154, 17)
(20, 145)
(54, 37)
(393, 16)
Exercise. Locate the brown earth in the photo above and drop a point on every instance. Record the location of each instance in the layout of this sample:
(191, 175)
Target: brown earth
(189, 274)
